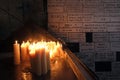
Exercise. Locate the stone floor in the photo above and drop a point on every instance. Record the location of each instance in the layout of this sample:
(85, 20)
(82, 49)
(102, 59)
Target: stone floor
(60, 70)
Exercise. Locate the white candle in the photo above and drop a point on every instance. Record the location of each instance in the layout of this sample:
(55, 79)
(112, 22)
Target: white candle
(24, 54)
(38, 62)
(44, 62)
(27, 46)
(16, 48)
(33, 60)
(41, 48)
(48, 59)
(43, 59)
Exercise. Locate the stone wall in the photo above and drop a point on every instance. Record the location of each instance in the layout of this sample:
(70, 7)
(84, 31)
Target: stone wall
(94, 27)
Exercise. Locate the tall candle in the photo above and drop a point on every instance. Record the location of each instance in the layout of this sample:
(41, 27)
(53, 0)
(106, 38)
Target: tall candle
(24, 54)
(27, 46)
(47, 59)
(38, 62)
(16, 48)
(33, 60)
(41, 48)
(44, 61)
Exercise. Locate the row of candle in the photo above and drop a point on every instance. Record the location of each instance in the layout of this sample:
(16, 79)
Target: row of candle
(39, 53)
(20, 52)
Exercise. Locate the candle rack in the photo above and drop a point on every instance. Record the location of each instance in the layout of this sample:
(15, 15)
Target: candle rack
(65, 67)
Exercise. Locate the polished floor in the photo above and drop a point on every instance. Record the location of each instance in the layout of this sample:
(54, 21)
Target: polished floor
(60, 70)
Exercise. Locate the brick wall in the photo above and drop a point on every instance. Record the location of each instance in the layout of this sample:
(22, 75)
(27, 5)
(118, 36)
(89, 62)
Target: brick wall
(94, 25)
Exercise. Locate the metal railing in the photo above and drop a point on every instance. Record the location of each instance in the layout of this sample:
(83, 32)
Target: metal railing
(80, 69)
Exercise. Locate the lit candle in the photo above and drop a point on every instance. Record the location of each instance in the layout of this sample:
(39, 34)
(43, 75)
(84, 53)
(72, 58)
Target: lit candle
(52, 51)
(47, 59)
(35, 63)
(16, 48)
(41, 47)
(43, 59)
(38, 62)
(59, 49)
(33, 60)
(24, 54)
(27, 46)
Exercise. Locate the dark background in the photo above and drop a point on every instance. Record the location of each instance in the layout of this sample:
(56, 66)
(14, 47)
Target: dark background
(19, 19)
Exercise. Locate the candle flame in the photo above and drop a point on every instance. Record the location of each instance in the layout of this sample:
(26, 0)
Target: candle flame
(16, 42)
(51, 47)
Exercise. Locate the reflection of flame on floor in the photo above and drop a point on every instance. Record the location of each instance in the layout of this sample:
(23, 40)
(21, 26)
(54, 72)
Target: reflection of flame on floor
(26, 76)
(61, 68)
